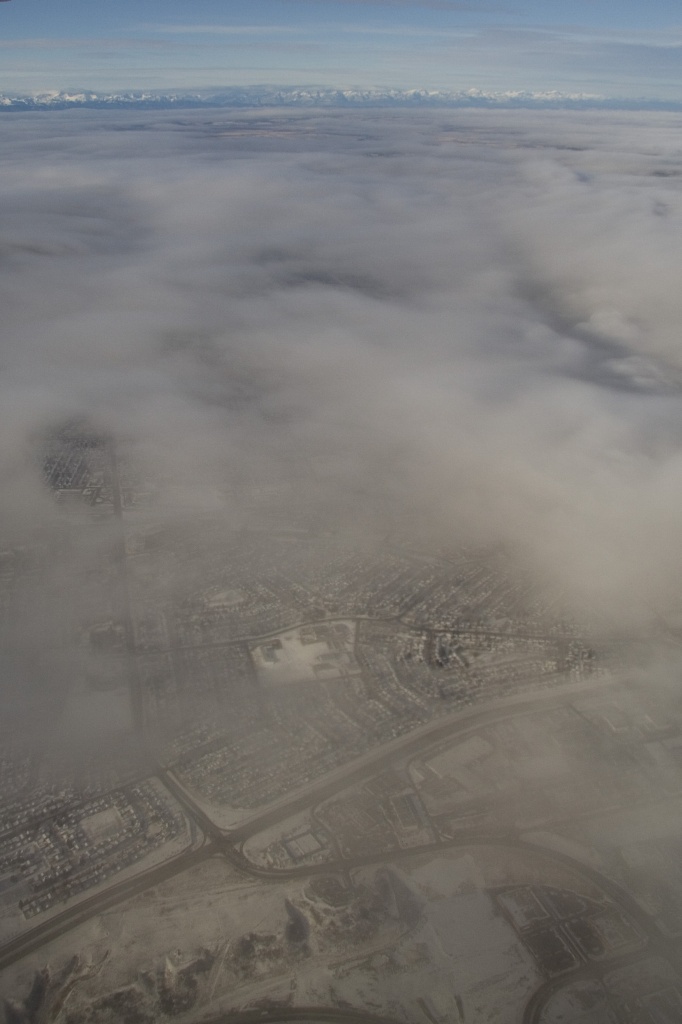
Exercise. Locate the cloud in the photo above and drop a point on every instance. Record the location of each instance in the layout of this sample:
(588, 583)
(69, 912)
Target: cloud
(442, 327)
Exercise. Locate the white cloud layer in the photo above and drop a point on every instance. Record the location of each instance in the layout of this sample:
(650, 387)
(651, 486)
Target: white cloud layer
(466, 322)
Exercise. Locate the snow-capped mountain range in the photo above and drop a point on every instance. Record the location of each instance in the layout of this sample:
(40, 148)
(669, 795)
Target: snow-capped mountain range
(273, 96)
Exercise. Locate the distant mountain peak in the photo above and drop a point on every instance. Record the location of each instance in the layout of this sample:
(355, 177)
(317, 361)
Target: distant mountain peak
(316, 96)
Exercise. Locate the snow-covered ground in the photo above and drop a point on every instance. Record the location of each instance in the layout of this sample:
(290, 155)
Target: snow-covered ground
(456, 951)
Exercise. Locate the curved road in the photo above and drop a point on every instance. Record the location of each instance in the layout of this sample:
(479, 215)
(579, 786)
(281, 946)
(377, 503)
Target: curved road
(287, 1015)
(228, 845)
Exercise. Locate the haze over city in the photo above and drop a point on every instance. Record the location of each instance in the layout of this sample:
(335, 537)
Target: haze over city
(341, 449)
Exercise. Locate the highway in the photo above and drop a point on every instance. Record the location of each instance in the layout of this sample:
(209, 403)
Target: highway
(289, 1015)
(406, 746)
(54, 927)
(122, 594)
(228, 844)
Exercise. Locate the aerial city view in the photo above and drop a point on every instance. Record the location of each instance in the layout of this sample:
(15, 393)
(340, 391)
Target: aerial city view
(340, 536)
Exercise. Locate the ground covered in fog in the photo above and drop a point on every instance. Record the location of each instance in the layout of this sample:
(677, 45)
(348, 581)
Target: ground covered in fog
(325, 437)
(461, 323)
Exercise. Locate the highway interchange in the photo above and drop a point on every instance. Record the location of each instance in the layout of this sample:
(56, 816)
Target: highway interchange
(214, 842)
(228, 844)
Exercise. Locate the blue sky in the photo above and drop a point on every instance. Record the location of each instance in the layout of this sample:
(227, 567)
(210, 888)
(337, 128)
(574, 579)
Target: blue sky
(620, 48)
